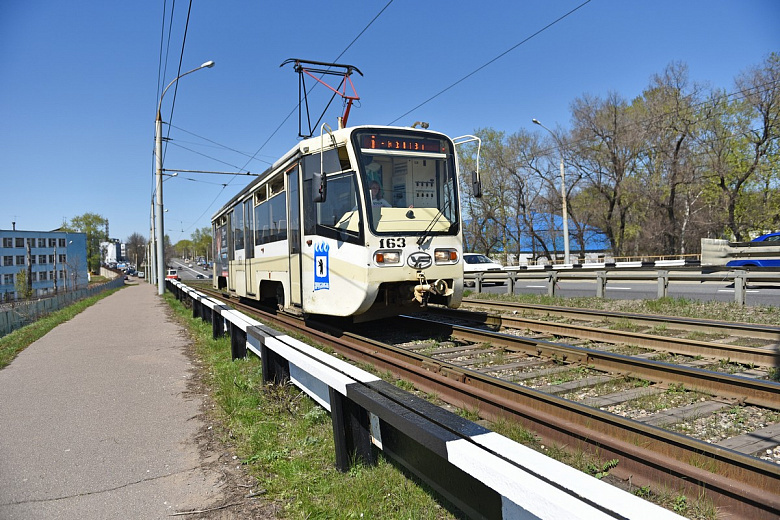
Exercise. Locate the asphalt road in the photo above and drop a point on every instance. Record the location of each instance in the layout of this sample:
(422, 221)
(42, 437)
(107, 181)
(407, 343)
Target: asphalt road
(186, 272)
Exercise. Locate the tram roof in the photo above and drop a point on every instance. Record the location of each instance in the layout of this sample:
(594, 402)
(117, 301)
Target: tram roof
(341, 135)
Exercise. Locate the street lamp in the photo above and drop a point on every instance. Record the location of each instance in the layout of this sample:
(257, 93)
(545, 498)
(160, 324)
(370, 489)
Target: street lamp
(159, 232)
(564, 209)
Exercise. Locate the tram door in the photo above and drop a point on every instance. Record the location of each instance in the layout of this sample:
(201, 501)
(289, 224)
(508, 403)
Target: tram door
(294, 233)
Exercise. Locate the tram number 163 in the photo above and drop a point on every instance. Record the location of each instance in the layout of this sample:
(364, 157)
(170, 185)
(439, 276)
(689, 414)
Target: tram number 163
(392, 243)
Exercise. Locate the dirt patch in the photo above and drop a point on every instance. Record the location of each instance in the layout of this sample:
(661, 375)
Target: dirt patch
(239, 496)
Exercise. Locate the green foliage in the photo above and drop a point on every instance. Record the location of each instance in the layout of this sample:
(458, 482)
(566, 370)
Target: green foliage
(96, 229)
(655, 174)
(284, 439)
(680, 505)
(199, 244)
(601, 470)
(643, 492)
(22, 285)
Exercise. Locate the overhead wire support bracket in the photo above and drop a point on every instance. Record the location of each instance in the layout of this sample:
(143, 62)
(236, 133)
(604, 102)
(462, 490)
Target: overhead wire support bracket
(310, 68)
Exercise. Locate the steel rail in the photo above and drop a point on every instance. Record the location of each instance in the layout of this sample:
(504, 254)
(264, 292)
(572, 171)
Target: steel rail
(767, 357)
(744, 486)
(740, 486)
(742, 389)
(748, 330)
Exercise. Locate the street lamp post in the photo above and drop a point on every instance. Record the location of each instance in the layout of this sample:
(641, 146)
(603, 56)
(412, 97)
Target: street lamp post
(159, 232)
(564, 208)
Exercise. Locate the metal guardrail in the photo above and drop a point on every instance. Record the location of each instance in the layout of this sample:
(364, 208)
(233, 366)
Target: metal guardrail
(484, 474)
(601, 275)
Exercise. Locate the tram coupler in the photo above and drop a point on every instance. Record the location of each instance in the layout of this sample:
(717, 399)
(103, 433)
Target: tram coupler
(424, 289)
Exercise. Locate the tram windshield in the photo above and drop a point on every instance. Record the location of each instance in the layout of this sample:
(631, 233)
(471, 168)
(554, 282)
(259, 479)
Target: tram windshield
(409, 182)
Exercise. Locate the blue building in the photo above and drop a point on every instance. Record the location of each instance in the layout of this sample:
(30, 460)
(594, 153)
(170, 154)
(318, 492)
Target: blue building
(56, 260)
(522, 247)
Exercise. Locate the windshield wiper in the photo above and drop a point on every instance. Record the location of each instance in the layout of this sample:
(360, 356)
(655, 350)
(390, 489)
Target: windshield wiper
(429, 228)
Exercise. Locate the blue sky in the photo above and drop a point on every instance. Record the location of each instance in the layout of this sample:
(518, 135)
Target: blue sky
(81, 81)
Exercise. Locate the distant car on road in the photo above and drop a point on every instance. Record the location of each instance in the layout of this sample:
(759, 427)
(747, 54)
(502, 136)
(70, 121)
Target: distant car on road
(477, 263)
(770, 240)
(200, 277)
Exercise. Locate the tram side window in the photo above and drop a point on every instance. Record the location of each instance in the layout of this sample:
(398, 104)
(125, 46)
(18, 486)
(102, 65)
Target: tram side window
(271, 220)
(238, 228)
(248, 228)
(328, 218)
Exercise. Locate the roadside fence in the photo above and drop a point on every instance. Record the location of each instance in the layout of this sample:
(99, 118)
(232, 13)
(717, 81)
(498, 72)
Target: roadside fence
(634, 271)
(15, 315)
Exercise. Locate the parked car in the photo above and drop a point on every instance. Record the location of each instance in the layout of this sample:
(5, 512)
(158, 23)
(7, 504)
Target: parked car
(477, 263)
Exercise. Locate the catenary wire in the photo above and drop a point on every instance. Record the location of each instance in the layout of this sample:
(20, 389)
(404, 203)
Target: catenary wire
(540, 31)
(291, 113)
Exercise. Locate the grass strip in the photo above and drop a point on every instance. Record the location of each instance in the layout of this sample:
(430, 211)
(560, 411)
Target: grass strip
(13, 343)
(285, 440)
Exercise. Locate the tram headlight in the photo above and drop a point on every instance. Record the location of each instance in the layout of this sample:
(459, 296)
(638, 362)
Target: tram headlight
(387, 257)
(445, 256)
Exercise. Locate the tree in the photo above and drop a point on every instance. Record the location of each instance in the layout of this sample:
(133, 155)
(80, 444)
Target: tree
(96, 229)
(201, 242)
(23, 285)
(670, 170)
(183, 248)
(136, 248)
(741, 146)
(609, 141)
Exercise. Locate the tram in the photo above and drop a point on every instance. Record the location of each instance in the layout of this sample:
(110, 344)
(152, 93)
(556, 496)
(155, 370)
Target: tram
(361, 222)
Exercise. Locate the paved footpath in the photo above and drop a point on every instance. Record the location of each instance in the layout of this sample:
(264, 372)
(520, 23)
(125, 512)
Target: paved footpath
(96, 421)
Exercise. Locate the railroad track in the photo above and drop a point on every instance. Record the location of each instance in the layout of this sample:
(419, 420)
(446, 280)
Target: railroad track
(743, 485)
(766, 335)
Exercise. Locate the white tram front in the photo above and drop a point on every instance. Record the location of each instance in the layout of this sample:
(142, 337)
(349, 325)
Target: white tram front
(361, 222)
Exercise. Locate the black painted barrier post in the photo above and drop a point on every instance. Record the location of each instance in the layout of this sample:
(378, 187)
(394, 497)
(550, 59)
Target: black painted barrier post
(237, 342)
(217, 324)
(276, 369)
(412, 433)
(351, 432)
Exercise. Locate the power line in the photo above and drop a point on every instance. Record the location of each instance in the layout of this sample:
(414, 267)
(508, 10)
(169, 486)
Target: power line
(174, 143)
(491, 61)
(334, 60)
(253, 157)
(245, 154)
(181, 59)
(641, 124)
